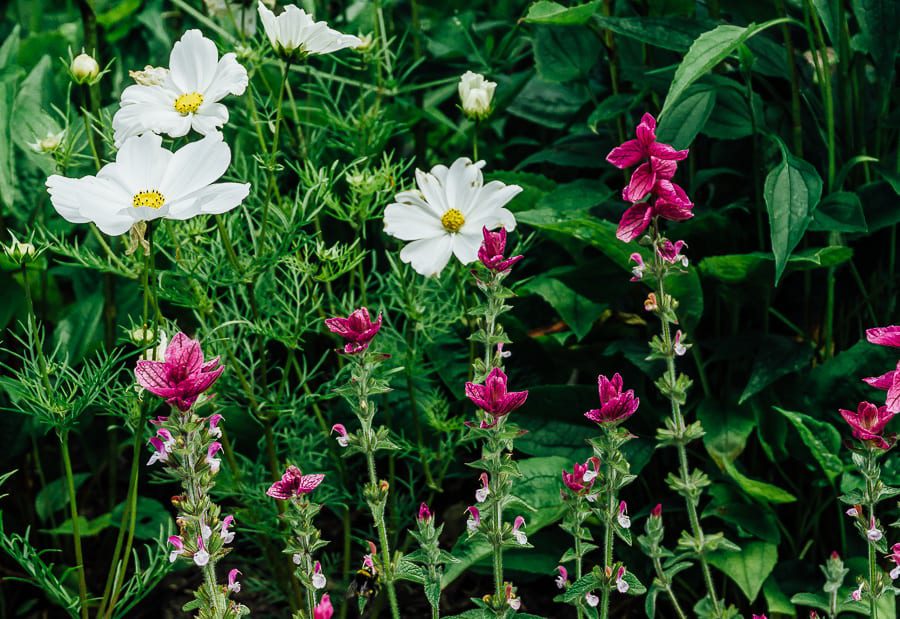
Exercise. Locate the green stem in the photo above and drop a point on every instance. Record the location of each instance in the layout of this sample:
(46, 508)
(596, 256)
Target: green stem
(76, 529)
(273, 156)
(871, 500)
(661, 575)
(498, 553)
(608, 541)
(384, 551)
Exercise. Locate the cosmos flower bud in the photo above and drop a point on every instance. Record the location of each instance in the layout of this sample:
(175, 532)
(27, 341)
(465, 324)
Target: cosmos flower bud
(476, 95)
(19, 252)
(84, 68)
(47, 144)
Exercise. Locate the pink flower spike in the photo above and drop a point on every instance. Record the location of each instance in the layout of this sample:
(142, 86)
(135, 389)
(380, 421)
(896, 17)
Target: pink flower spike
(582, 477)
(884, 336)
(358, 329)
(213, 462)
(318, 578)
(214, 429)
(868, 423)
(482, 493)
(178, 544)
(615, 405)
(226, 535)
(342, 438)
(424, 513)
(160, 454)
(490, 254)
(621, 583)
(294, 484)
(324, 609)
(474, 520)
(493, 398)
(182, 376)
(233, 585)
(645, 145)
(637, 272)
(623, 519)
(677, 347)
(563, 579)
(518, 533)
(201, 557)
(166, 436)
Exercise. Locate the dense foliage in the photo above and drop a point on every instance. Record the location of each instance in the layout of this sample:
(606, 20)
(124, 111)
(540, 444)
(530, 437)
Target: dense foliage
(363, 327)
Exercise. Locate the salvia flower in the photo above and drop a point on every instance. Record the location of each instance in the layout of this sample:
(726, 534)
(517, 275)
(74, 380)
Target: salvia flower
(671, 252)
(890, 382)
(677, 346)
(873, 533)
(318, 578)
(656, 512)
(358, 329)
(294, 484)
(424, 513)
(214, 429)
(514, 602)
(582, 477)
(490, 254)
(615, 405)
(855, 511)
(671, 202)
(233, 585)
(518, 531)
(324, 609)
(147, 182)
(562, 580)
(211, 460)
(224, 532)
(622, 518)
(895, 557)
(868, 423)
(476, 95)
(446, 215)
(342, 439)
(633, 152)
(621, 583)
(201, 557)
(160, 453)
(650, 303)
(182, 376)
(637, 271)
(294, 34)
(482, 493)
(591, 599)
(856, 596)
(493, 398)
(185, 97)
(884, 336)
(177, 545)
(474, 520)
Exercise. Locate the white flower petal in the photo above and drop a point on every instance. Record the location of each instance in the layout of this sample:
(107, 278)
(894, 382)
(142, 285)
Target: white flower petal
(410, 222)
(209, 118)
(140, 164)
(194, 166)
(193, 62)
(465, 246)
(496, 194)
(490, 219)
(428, 256)
(64, 197)
(462, 185)
(270, 26)
(230, 78)
(221, 197)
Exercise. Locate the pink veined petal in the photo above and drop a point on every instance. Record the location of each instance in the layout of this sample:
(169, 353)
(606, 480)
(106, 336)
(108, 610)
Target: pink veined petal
(626, 155)
(664, 169)
(176, 344)
(512, 401)
(278, 491)
(649, 120)
(893, 395)
(634, 221)
(646, 132)
(203, 381)
(641, 183)
(667, 152)
(210, 365)
(341, 326)
(884, 336)
(882, 382)
(151, 375)
(476, 393)
(187, 360)
(308, 483)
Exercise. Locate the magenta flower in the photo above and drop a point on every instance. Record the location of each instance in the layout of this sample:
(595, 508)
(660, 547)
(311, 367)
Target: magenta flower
(563, 579)
(637, 272)
(643, 147)
(868, 423)
(623, 519)
(160, 453)
(890, 382)
(671, 203)
(342, 438)
(323, 609)
(615, 405)
(493, 398)
(856, 596)
(213, 462)
(178, 545)
(294, 484)
(482, 493)
(424, 513)
(201, 557)
(763, 616)
(671, 252)
(621, 583)
(582, 477)
(677, 346)
(474, 520)
(357, 328)
(182, 376)
(656, 512)
(518, 531)
(884, 336)
(233, 585)
(214, 429)
(895, 557)
(490, 254)
(318, 578)
(226, 535)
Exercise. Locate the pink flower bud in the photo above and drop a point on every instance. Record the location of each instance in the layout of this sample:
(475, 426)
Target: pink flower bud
(424, 513)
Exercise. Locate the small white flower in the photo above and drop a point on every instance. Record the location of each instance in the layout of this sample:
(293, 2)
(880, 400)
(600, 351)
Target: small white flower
(856, 596)
(201, 557)
(446, 214)
(622, 518)
(294, 33)
(318, 580)
(48, 143)
(874, 534)
(518, 531)
(476, 95)
(515, 603)
(591, 599)
(482, 494)
(895, 573)
(147, 181)
(296, 558)
(188, 96)
(622, 585)
(589, 476)
(852, 512)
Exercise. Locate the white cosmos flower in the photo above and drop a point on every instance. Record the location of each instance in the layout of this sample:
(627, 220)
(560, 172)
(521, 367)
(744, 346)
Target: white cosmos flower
(295, 35)
(188, 94)
(147, 181)
(446, 214)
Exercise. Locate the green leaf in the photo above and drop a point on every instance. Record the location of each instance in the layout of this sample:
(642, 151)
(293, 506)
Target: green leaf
(749, 567)
(545, 12)
(564, 54)
(55, 495)
(730, 119)
(672, 33)
(738, 268)
(822, 438)
(577, 311)
(151, 517)
(778, 356)
(759, 490)
(688, 117)
(7, 159)
(80, 330)
(549, 104)
(879, 21)
(841, 211)
(792, 191)
(30, 122)
(610, 109)
(726, 430)
(557, 435)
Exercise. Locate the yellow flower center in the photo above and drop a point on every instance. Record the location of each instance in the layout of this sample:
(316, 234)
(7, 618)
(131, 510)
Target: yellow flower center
(153, 199)
(188, 103)
(453, 220)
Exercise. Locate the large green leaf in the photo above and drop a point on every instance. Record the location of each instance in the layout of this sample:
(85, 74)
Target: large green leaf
(759, 490)
(564, 54)
(822, 438)
(672, 33)
(55, 495)
(749, 567)
(577, 311)
(778, 356)
(549, 104)
(840, 211)
(553, 13)
(30, 122)
(792, 191)
(688, 117)
(726, 429)
(738, 268)
(879, 21)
